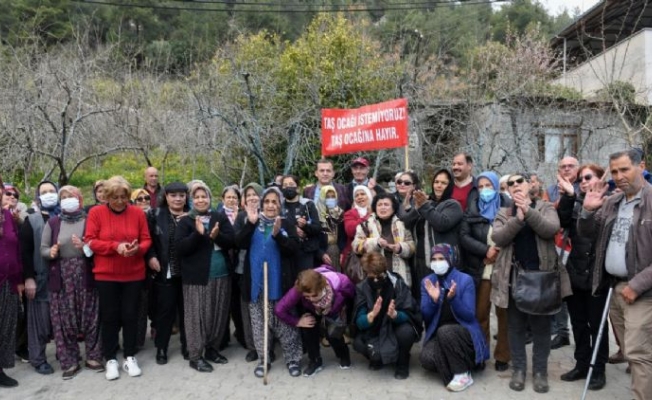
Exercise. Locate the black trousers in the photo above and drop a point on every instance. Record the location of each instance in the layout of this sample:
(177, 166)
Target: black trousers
(310, 338)
(169, 306)
(585, 312)
(517, 325)
(119, 305)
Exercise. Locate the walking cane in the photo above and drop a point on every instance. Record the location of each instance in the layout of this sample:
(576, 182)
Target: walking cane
(596, 344)
(265, 323)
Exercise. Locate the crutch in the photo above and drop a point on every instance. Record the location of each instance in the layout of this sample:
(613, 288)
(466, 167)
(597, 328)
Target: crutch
(265, 323)
(596, 344)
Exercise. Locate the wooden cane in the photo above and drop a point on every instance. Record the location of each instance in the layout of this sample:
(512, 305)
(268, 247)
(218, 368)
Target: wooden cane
(265, 323)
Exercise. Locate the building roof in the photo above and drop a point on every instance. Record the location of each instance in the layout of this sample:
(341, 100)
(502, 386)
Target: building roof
(601, 27)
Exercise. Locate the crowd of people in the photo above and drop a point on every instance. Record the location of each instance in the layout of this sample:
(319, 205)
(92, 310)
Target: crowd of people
(339, 265)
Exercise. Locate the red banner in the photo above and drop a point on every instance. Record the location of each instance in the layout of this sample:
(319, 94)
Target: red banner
(374, 127)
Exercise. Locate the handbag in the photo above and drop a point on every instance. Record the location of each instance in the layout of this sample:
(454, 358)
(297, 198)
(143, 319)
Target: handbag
(536, 292)
(353, 268)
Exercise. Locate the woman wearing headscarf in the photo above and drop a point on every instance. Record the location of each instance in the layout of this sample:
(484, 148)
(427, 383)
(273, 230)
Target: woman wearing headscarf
(359, 213)
(203, 238)
(231, 207)
(118, 235)
(10, 286)
(386, 234)
(163, 262)
(35, 271)
(269, 238)
(74, 304)
(251, 194)
(453, 344)
(432, 219)
(480, 254)
(331, 217)
(387, 317)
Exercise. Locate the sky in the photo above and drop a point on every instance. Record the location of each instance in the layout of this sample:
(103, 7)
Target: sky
(556, 6)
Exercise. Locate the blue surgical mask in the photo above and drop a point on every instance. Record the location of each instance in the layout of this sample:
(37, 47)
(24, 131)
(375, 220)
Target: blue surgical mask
(330, 203)
(487, 194)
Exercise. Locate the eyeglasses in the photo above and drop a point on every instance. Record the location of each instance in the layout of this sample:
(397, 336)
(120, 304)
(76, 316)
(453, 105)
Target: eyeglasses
(586, 177)
(515, 181)
(568, 166)
(142, 199)
(402, 182)
(12, 194)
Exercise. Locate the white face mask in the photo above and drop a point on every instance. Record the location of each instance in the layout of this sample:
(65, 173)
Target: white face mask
(439, 267)
(49, 200)
(70, 204)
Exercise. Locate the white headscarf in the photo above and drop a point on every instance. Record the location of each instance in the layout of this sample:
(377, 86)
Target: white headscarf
(362, 211)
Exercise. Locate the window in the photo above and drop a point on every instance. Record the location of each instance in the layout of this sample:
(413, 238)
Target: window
(557, 141)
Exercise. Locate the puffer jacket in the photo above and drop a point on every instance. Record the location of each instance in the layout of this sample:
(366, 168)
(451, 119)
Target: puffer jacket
(544, 222)
(598, 226)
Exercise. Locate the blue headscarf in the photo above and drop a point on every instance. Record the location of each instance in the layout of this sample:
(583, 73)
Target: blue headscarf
(490, 209)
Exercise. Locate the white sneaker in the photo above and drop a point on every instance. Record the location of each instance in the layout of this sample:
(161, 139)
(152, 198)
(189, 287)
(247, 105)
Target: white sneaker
(112, 370)
(460, 382)
(131, 367)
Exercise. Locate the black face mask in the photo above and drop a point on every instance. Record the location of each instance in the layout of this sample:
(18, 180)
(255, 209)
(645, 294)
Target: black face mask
(289, 192)
(377, 283)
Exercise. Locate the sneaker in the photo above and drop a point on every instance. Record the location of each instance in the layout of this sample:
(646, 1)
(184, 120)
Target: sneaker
(112, 370)
(131, 367)
(460, 382)
(345, 361)
(294, 369)
(313, 367)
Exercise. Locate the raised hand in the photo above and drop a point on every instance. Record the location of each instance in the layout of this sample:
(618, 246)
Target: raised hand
(252, 213)
(433, 290)
(277, 226)
(420, 198)
(565, 186)
(199, 226)
(595, 196)
(391, 310)
(452, 291)
(377, 305)
(215, 231)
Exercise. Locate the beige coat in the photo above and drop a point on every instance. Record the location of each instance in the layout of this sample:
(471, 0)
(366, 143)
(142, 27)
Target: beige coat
(364, 243)
(544, 222)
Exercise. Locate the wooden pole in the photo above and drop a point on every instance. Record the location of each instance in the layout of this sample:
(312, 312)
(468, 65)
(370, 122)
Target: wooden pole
(265, 322)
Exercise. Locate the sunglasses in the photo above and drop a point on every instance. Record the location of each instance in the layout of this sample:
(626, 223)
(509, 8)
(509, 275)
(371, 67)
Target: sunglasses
(12, 194)
(515, 181)
(142, 199)
(402, 182)
(586, 177)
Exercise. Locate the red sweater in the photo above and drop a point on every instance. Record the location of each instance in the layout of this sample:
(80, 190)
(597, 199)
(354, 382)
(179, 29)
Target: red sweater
(105, 231)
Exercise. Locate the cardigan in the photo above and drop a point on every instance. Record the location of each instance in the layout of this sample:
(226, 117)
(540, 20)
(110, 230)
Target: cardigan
(105, 231)
(194, 250)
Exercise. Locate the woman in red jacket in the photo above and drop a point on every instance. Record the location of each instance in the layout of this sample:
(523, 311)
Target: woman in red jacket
(117, 234)
(359, 213)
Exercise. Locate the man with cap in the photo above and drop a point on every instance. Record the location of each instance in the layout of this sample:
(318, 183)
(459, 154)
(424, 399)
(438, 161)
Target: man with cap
(360, 172)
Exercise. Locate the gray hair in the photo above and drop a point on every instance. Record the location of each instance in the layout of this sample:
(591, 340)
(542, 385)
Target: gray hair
(635, 155)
